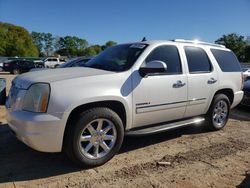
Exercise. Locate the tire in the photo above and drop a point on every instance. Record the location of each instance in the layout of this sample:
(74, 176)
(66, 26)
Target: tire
(16, 71)
(81, 152)
(56, 66)
(218, 113)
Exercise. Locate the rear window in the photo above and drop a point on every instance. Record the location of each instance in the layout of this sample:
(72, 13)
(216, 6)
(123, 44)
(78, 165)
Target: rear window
(198, 61)
(226, 60)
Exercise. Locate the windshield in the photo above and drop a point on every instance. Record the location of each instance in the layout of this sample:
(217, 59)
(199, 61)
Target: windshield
(75, 62)
(68, 63)
(117, 58)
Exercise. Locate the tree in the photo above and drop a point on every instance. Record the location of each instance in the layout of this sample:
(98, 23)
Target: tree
(234, 42)
(48, 43)
(38, 40)
(71, 46)
(247, 53)
(108, 44)
(90, 51)
(16, 41)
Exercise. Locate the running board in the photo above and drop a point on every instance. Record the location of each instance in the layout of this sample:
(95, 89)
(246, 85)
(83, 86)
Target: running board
(164, 127)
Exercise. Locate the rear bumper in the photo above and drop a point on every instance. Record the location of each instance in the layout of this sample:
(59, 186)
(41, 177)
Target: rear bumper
(238, 96)
(42, 132)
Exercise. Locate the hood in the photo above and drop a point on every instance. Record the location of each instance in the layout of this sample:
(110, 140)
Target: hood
(247, 86)
(25, 80)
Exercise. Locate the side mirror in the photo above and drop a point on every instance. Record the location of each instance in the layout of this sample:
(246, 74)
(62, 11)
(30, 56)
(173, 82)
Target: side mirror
(153, 67)
(2, 91)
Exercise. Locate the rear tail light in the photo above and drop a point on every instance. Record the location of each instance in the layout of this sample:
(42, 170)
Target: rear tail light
(5, 64)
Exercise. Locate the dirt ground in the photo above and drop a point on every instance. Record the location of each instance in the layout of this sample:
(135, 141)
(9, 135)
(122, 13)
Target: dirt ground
(194, 156)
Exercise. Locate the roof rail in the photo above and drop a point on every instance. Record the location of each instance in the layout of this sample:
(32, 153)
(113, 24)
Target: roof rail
(198, 42)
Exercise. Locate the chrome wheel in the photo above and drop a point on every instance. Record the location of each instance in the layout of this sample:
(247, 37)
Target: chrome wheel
(220, 113)
(97, 138)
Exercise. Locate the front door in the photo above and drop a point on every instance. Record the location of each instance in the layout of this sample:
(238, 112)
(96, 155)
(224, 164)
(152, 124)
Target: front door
(160, 97)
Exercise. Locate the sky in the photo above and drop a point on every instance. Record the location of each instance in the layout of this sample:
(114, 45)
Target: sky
(98, 21)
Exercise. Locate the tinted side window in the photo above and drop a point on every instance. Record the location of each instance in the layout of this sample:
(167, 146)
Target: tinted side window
(198, 61)
(169, 55)
(226, 60)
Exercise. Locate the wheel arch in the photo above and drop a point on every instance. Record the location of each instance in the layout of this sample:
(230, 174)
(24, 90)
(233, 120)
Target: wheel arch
(115, 105)
(228, 92)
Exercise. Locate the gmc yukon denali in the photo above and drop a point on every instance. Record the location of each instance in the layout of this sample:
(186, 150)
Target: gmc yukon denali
(129, 89)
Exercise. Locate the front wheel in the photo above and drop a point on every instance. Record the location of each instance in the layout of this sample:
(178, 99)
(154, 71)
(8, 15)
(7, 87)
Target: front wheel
(96, 137)
(218, 113)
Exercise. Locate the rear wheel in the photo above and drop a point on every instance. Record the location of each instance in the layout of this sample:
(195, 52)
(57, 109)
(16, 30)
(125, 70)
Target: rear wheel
(95, 138)
(218, 113)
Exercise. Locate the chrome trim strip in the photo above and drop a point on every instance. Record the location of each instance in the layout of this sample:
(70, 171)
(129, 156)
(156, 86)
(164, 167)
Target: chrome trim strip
(165, 106)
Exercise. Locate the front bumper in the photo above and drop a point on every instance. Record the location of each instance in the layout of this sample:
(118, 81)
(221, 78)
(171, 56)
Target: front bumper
(42, 132)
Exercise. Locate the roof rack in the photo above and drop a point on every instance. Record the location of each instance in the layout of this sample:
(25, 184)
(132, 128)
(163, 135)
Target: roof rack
(198, 42)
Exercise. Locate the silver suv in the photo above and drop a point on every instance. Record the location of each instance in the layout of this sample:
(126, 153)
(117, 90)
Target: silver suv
(129, 89)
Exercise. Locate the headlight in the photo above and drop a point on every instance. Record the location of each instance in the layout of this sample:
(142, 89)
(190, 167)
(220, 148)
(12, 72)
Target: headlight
(37, 98)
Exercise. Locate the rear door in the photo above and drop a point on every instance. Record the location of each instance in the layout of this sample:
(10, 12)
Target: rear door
(202, 80)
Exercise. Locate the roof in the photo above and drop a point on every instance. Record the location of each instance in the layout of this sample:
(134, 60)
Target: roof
(195, 42)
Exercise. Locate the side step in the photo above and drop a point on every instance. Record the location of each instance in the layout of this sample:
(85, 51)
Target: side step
(164, 127)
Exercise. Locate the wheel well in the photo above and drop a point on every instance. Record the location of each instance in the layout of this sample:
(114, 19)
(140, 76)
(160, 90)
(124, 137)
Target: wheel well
(228, 92)
(116, 106)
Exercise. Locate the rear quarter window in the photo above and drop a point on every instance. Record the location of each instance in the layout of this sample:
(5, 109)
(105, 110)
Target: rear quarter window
(226, 60)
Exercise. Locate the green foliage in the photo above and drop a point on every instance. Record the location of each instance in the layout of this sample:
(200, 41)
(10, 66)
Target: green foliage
(90, 51)
(16, 41)
(234, 42)
(247, 53)
(108, 44)
(37, 39)
(70, 46)
(48, 44)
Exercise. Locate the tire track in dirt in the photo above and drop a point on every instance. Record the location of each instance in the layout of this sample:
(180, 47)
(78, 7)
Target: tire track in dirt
(205, 155)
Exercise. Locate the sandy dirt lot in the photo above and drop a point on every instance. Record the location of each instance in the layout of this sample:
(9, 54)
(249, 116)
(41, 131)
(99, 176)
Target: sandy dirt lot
(194, 156)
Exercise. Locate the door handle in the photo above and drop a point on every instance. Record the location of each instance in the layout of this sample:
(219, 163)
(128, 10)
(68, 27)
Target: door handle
(178, 84)
(211, 81)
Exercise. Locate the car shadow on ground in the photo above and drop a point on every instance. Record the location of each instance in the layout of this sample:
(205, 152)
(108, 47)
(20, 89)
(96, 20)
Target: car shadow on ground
(19, 163)
(246, 182)
(241, 113)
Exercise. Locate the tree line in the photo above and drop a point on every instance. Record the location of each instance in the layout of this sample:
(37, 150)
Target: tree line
(17, 41)
(238, 44)
(49, 45)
